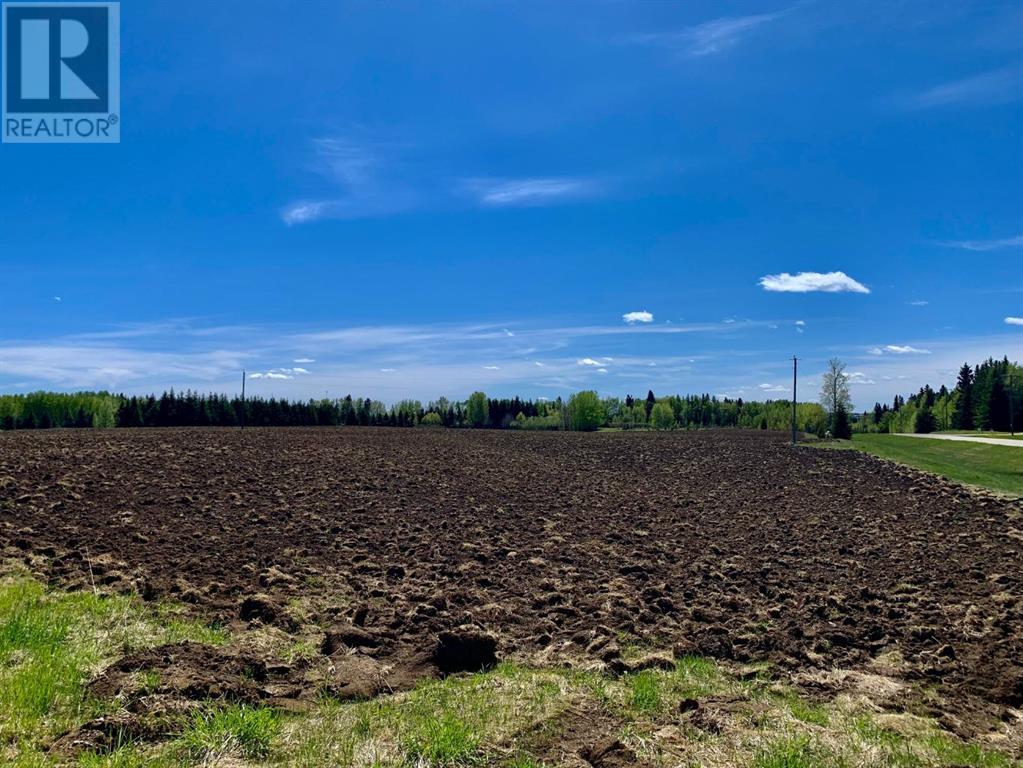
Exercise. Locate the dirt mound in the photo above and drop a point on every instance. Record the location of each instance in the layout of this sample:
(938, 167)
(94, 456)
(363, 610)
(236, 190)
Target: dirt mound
(720, 543)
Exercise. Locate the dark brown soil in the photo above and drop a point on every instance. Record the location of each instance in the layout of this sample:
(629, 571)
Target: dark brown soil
(427, 552)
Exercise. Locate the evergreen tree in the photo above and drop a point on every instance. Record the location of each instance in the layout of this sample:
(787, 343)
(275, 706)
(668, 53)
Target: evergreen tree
(840, 427)
(924, 423)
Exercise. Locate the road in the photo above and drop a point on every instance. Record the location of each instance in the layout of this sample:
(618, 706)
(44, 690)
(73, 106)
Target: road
(969, 439)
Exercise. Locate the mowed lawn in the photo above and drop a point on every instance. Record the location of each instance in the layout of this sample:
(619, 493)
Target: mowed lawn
(996, 467)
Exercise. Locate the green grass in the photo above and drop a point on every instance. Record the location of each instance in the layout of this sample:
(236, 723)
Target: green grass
(52, 643)
(231, 730)
(645, 691)
(952, 752)
(806, 712)
(798, 751)
(457, 721)
(995, 467)
(444, 740)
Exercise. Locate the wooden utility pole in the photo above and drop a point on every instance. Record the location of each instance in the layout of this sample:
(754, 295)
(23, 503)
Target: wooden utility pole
(794, 363)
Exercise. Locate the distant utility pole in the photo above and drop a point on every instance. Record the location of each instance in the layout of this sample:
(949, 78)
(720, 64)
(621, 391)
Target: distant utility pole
(241, 416)
(794, 363)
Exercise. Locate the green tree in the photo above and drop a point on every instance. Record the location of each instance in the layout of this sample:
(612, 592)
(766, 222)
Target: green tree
(477, 409)
(585, 411)
(840, 427)
(662, 416)
(649, 404)
(924, 423)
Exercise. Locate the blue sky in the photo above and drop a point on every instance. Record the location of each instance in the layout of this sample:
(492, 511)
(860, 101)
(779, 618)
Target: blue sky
(528, 198)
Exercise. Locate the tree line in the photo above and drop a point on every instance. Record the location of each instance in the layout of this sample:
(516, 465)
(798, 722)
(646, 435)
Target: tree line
(583, 411)
(987, 397)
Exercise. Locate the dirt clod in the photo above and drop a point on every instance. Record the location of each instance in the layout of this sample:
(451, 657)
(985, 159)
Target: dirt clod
(466, 649)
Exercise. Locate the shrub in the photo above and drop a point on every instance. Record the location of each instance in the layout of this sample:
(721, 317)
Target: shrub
(432, 419)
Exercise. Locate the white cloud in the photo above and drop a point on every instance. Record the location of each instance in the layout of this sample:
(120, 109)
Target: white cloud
(709, 37)
(772, 388)
(602, 370)
(986, 245)
(805, 282)
(301, 212)
(280, 373)
(270, 375)
(538, 364)
(641, 316)
(587, 361)
(530, 191)
(387, 370)
(875, 351)
(303, 360)
(57, 298)
(800, 322)
(507, 332)
(897, 349)
(858, 377)
(1014, 321)
(999, 86)
(491, 368)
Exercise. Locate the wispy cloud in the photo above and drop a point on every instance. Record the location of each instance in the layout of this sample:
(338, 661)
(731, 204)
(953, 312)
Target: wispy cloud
(530, 191)
(897, 349)
(986, 245)
(806, 282)
(394, 362)
(364, 178)
(1014, 321)
(638, 317)
(710, 37)
(372, 178)
(918, 303)
(999, 86)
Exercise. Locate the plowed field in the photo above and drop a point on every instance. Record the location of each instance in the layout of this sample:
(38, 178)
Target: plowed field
(725, 544)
